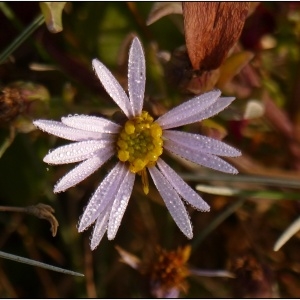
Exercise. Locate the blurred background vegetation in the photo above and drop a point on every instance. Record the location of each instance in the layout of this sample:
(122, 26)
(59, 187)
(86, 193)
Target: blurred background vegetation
(45, 72)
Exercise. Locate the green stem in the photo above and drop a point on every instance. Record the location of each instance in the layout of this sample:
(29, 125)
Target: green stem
(253, 179)
(37, 264)
(37, 22)
(230, 209)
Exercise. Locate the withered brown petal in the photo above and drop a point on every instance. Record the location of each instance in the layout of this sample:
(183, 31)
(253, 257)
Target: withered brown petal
(211, 29)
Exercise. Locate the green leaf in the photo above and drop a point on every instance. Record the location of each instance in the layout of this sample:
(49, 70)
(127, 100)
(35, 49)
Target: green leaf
(232, 66)
(52, 12)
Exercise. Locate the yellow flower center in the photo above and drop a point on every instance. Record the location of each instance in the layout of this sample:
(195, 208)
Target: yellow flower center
(140, 144)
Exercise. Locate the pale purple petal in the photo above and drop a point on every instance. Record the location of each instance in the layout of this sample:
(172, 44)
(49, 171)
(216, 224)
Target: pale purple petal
(120, 205)
(104, 195)
(83, 170)
(74, 152)
(183, 113)
(91, 123)
(201, 143)
(182, 188)
(113, 87)
(210, 111)
(172, 201)
(61, 130)
(136, 76)
(100, 227)
(207, 160)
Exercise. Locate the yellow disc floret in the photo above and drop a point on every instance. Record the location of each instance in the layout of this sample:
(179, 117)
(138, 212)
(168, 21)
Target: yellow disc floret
(140, 143)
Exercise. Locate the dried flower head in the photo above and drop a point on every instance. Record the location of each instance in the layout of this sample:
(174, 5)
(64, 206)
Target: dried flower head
(138, 145)
(169, 272)
(16, 98)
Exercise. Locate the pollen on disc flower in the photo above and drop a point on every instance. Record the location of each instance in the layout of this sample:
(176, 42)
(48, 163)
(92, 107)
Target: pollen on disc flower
(138, 145)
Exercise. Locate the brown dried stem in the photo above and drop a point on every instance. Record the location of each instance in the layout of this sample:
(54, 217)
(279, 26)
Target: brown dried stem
(42, 211)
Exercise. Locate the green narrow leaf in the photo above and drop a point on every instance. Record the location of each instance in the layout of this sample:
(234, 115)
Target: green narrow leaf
(10, 15)
(25, 34)
(37, 264)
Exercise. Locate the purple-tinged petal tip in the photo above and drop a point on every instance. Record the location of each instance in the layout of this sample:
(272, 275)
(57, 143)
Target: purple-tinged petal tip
(112, 87)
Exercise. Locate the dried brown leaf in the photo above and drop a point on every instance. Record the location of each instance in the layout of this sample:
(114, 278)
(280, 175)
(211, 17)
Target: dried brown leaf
(129, 259)
(180, 74)
(253, 278)
(211, 29)
(44, 211)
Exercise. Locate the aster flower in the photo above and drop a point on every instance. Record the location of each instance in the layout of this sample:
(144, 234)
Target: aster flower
(138, 145)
